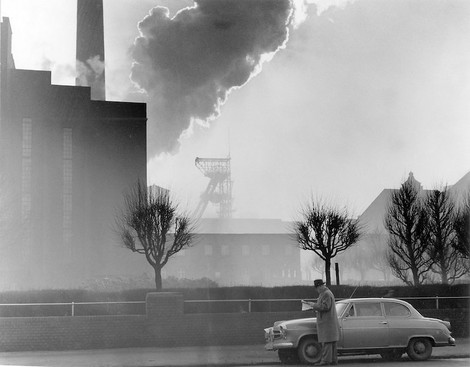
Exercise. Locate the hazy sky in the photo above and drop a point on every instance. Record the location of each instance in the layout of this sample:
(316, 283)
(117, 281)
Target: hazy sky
(346, 103)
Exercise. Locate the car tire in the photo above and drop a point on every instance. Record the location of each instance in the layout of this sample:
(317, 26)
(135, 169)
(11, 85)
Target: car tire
(419, 349)
(288, 356)
(309, 351)
(392, 355)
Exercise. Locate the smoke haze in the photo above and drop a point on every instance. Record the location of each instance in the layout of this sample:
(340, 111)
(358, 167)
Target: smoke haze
(188, 64)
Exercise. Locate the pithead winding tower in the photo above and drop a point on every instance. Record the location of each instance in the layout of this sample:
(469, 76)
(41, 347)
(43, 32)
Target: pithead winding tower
(219, 189)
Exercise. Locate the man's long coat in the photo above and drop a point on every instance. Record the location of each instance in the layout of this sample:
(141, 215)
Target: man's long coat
(327, 319)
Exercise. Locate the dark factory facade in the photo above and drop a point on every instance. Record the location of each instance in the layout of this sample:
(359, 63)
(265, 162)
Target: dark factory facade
(65, 162)
(254, 252)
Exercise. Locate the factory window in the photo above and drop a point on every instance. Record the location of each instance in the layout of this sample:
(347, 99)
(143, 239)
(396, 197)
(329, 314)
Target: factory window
(265, 250)
(208, 250)
(181, 253)
(67, 190)
(225, 250)
(26, 174)
(245, 250)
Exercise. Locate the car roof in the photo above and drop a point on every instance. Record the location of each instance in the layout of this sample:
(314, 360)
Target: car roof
(373, 299)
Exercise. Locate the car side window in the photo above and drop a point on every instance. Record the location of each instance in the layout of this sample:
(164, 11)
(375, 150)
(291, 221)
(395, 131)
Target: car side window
(396, 309)
(368, 309)
(351, 312)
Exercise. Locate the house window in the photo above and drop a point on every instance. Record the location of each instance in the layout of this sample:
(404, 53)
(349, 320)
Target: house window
(208, 250)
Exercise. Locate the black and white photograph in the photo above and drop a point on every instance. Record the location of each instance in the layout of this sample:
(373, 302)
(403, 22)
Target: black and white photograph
(234, 182)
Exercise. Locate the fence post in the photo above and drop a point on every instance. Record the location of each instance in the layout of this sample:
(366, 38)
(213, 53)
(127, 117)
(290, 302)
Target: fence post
(249, 305)
(437, 302)
(73, 308)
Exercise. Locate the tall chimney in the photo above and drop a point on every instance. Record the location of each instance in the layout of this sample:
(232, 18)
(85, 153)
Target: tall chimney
(90, 47)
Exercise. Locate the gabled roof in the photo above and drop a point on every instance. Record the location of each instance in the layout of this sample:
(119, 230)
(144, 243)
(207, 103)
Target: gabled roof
(462, 186)
(372, 218)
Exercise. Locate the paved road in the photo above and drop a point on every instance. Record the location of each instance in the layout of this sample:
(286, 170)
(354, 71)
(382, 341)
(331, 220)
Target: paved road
(458, 356)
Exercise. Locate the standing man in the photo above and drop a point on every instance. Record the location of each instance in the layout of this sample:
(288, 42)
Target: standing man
(327, 323)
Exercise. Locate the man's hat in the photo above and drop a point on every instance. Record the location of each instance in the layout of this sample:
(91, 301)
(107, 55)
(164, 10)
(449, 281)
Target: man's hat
(318, 282)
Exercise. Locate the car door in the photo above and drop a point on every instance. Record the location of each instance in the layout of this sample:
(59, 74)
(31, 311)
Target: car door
(400, 323)
(364, 326)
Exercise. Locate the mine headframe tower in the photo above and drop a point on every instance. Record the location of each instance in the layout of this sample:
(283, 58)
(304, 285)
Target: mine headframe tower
(219, 189)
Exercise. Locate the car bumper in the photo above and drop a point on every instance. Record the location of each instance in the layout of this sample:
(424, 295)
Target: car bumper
(278, 345)
(450, 342)
(275, 343)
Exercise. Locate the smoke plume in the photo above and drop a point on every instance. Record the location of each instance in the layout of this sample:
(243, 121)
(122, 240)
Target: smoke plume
(91, 74)
(188, 64)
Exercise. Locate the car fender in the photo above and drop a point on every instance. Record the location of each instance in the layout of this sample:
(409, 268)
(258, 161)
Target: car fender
(427, 336)
(303, 336)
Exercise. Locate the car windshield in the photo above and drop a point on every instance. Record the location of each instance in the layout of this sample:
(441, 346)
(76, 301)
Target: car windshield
(340, 308)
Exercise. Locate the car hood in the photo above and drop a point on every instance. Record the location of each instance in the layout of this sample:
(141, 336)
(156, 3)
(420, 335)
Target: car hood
(307, 322)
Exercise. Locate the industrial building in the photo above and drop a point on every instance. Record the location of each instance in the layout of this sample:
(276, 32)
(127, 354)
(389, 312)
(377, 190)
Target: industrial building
(229, 251)
(67, 157)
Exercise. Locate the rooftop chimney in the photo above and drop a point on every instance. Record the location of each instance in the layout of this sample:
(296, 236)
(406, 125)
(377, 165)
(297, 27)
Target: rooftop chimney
(90, 47)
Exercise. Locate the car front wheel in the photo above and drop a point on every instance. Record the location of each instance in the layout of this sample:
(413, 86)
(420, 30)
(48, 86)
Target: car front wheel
(309, 351)
(419, 349)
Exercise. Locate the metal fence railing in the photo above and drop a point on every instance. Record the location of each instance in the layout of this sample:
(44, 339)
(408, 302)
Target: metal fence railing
(196, 306)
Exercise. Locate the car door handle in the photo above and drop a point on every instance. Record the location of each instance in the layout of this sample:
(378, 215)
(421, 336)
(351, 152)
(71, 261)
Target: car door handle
(384, 322)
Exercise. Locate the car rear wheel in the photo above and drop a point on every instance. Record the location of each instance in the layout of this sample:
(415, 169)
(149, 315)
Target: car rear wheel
(419, 349)
(288, 356)
(392, 355)
(309, 351)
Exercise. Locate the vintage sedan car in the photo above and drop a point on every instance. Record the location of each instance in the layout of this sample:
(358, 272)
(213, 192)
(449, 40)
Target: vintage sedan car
(385, 326)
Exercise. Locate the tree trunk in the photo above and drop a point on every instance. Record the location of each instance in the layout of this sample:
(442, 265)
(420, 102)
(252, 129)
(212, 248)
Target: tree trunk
(416, 281)
(328, 271)
(158, 278)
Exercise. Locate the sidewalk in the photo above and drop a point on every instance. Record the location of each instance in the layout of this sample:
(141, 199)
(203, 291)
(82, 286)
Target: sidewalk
(181, 356)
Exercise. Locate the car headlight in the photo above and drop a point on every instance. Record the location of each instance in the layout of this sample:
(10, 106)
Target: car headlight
(283, 332)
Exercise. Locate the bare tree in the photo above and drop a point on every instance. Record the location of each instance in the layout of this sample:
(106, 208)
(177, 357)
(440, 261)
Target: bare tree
(357, 258)
(447, 261)
(326, 231)
(405, 220)
(370, 254)
(150, 224)
(462, 228)
(378, 253)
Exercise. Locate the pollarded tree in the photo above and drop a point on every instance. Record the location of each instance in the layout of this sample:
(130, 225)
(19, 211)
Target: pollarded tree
(327, 231)
(405, 220)
(462, 228)
(447, 262)
(150, 224)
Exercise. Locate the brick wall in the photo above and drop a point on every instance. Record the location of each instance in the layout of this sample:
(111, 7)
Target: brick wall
(164, 325)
